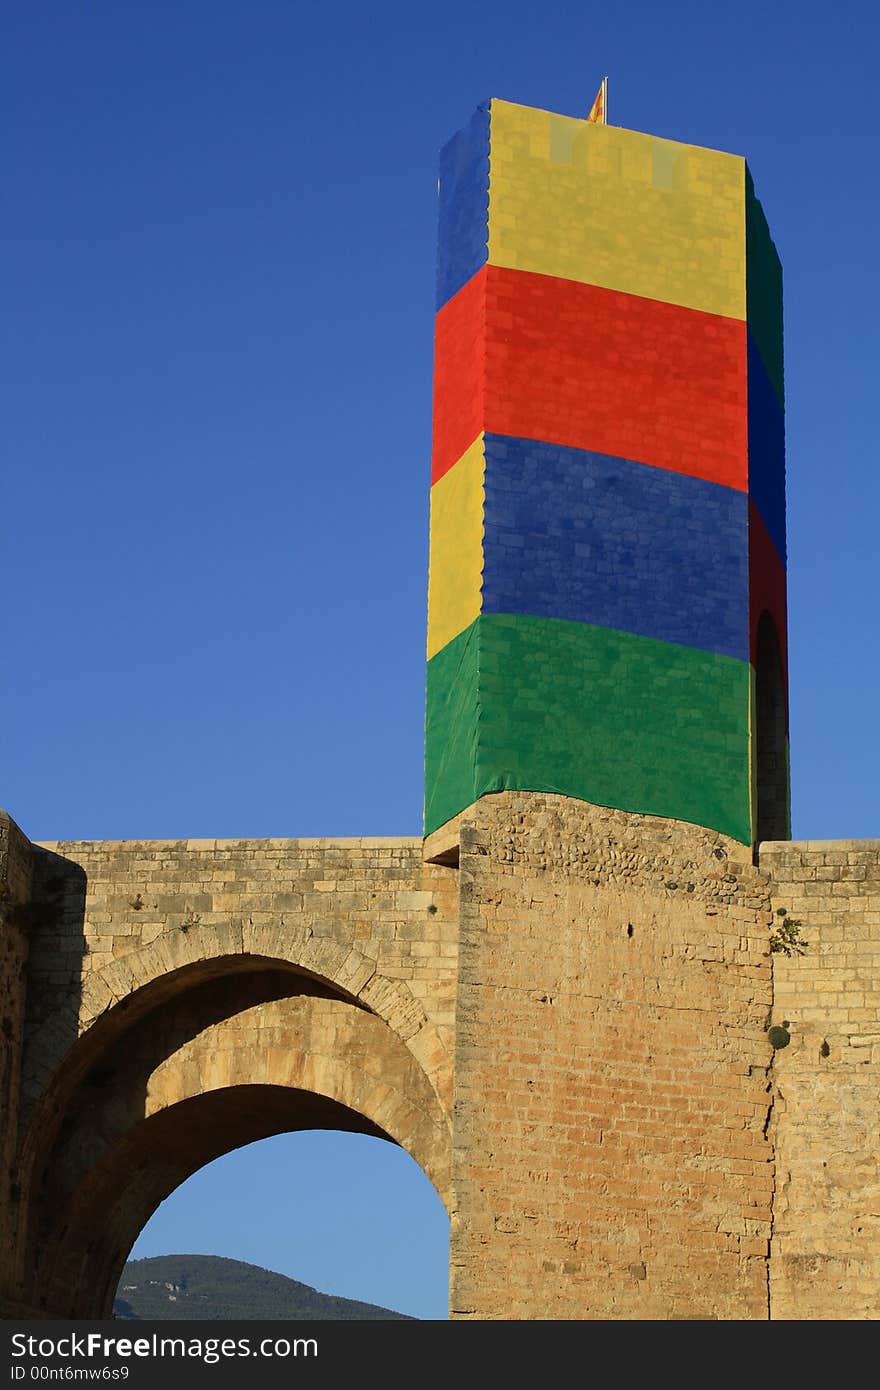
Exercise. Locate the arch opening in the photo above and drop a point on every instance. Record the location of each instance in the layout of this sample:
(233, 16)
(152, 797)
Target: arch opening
(230, 1060)
(347, 1214)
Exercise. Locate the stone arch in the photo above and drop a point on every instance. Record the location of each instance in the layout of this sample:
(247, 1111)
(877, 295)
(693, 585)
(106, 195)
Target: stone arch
(193, 1036)
(151, 973)
(771, 736)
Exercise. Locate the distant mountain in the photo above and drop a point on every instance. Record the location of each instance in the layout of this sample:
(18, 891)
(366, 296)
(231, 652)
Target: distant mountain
(188, 1287)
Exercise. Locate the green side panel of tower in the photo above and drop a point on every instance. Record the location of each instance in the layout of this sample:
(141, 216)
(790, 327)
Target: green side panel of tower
(451, 729)
(539, 704)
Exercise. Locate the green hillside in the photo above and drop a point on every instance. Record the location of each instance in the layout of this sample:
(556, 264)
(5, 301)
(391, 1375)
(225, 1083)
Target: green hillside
(206, 1286)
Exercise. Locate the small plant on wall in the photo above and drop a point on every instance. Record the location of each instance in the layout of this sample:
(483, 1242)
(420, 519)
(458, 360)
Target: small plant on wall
(786, 935)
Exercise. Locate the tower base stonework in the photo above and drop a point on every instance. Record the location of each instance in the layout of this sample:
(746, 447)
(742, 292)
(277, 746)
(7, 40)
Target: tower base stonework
(612, 1067)
(561, 1011)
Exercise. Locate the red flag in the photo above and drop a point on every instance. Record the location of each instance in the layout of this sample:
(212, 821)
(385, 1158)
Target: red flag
(599, 110)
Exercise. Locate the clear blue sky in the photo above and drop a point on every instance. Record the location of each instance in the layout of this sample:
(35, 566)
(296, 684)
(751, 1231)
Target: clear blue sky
(218, 247)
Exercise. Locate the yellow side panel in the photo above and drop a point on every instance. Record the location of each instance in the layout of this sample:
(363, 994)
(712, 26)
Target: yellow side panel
(618, 209)
(455, 566)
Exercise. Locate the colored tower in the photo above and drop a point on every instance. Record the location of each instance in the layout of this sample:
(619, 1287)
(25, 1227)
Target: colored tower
(607, 611)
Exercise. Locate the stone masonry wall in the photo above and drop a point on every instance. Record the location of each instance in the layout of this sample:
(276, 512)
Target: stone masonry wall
(612, 1068)
(826, 1118)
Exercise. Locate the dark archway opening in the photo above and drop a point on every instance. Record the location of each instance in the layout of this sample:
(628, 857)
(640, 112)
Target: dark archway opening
(771, 736)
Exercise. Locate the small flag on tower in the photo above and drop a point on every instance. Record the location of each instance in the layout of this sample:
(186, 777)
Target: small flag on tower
(599, 110)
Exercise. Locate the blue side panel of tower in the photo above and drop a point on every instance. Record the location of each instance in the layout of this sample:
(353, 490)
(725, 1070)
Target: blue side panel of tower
(463, 240)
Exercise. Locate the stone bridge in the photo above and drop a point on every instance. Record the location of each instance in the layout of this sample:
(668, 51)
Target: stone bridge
(560, 1011)
(186, 997)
